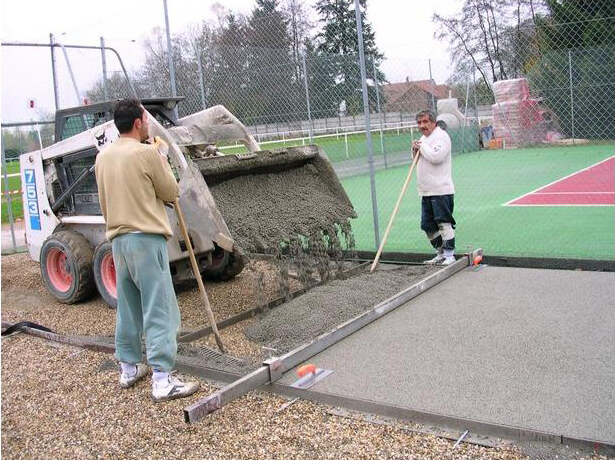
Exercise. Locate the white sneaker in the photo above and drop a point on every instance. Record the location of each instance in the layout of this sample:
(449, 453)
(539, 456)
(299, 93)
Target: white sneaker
(126, 380)
(436, 260)
(172, 388)
(447, 261)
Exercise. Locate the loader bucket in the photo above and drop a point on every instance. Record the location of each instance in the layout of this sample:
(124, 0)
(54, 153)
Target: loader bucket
(273, 197)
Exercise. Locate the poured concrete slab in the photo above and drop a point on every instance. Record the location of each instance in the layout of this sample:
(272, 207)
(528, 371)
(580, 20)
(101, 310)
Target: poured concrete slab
(528, 348)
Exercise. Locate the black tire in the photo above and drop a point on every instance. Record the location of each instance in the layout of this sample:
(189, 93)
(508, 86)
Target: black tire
(66, 266)
(226, 265)
(234, 266)
(220, 259)
(104, 273)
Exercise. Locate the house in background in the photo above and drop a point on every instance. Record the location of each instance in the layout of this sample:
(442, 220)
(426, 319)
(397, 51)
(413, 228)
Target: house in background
(413, 96)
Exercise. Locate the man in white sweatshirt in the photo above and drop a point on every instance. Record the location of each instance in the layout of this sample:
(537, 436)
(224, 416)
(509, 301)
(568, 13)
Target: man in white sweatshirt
(435, 186)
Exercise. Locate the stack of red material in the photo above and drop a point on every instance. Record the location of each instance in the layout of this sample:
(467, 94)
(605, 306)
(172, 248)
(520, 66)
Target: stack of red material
(517, 117)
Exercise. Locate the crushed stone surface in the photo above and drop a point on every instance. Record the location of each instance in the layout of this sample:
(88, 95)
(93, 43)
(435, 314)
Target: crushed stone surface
(64, 402)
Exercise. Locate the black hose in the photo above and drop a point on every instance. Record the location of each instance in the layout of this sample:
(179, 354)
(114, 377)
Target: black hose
(17, 327)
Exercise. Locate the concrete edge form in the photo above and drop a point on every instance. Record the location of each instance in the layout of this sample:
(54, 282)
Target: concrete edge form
(502, 261)
(495, 430)
(274, 368)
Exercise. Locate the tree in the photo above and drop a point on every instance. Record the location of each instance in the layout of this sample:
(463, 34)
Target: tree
(488, 35)
(271, 85)
(337, 42)
(228, 79)
(576, 66)
(299, 26)
(117, 88)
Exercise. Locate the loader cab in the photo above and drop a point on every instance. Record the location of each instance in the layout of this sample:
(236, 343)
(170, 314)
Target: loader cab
(75, 189)
(75, 120)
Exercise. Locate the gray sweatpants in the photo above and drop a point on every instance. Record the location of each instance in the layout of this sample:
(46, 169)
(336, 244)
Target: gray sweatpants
(146, 302)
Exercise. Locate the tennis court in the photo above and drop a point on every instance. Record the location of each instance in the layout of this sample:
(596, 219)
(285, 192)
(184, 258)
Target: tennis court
(487, 183)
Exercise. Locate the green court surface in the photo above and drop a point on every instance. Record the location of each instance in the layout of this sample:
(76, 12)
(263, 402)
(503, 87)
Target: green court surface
(484, 182)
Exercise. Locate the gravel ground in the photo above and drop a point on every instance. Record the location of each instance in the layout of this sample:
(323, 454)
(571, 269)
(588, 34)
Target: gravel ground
(63, 402)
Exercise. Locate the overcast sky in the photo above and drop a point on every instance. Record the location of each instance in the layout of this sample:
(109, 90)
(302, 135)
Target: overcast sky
(404, 33)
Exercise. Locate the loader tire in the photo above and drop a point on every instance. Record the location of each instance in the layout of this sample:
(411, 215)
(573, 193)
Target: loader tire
(66, 266)
(226, 266)
(234, 267)
(219, 261)
(104, 273)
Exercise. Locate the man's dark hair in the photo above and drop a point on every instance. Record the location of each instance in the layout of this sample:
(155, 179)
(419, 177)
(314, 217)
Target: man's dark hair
(429, 113)
(125, 112)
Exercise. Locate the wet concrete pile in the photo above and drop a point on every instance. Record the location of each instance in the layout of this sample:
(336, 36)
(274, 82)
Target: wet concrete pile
(288, 205)
(325, 307)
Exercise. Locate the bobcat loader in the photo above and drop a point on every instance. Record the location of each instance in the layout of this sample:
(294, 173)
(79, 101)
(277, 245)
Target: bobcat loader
(65, 229)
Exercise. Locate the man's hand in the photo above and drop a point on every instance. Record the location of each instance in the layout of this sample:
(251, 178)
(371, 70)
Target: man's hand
(161, 146)
(416, 145)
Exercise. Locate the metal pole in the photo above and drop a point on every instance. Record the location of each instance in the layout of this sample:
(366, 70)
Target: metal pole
(382, 149)
(104, 69)
(9, 204)
(170, 53)
(465, 116)
(72, 75)
(433, 101)
(201, 77)
(368, 133)
(307, 96)
(53, 72)
(571, 95)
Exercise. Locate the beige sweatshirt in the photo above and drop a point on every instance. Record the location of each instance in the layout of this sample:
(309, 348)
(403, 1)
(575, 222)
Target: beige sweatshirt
(433, 170)
(133, 185)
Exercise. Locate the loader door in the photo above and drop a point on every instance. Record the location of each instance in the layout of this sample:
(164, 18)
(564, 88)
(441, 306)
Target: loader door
(84, 199)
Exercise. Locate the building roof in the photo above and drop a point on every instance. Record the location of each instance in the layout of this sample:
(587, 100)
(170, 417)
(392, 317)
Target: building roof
(395, 91)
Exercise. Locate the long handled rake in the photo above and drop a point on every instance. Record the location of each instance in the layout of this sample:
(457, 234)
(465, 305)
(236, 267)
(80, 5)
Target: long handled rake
(401, 195)
(197, 274)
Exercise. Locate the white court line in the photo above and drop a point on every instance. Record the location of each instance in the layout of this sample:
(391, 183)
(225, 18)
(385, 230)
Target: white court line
(508, 203)
(532, 205)
(575, 193)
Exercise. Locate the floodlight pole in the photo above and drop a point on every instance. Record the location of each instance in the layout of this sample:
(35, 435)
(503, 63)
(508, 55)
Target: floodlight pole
(170, 53)
(368, 133)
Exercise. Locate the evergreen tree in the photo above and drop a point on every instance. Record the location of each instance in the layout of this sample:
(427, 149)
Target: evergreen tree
(337, 43)
(271, 86)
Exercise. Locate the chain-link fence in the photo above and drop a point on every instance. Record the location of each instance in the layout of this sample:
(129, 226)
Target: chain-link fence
(517, 82)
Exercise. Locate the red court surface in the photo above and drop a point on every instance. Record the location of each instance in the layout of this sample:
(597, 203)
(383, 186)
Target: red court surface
(592, 186)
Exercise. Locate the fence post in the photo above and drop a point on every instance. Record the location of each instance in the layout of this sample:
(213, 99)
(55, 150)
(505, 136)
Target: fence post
(170, 54)
(307, 96)
(346, 144)
(368, 133)
(199, 65)
(53, 72)
(382, 150)
(571, 95)
(104, 69)
(9, 205)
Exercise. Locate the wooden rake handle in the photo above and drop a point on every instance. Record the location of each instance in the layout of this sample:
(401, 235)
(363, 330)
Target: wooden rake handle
(401, 195)
(197, 274)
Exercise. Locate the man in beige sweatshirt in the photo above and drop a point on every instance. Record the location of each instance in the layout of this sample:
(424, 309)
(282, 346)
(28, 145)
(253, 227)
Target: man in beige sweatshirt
(435, 186)
(134, 182)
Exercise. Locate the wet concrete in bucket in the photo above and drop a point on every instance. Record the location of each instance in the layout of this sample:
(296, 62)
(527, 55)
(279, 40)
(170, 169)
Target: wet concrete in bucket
(262, 210)
(323, 308)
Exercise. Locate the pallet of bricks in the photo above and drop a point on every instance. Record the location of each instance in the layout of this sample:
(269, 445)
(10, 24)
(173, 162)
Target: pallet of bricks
(518, 119)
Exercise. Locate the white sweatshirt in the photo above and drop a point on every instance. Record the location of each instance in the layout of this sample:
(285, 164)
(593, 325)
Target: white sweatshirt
(433, 170)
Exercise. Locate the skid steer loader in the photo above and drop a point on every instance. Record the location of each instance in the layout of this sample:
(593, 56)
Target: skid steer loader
(65, 230)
